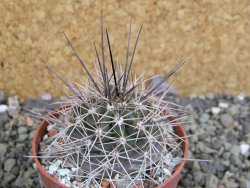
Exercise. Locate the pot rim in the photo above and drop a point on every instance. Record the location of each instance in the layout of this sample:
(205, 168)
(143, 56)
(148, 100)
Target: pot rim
(177, 170)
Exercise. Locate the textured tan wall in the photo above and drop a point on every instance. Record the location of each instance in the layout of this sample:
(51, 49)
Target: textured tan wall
(215, 33)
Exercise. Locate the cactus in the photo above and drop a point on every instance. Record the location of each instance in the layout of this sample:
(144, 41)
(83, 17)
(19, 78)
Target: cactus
(113, 129)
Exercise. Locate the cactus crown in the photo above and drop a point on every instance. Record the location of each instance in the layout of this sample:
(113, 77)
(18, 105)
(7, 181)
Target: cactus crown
(112, 128)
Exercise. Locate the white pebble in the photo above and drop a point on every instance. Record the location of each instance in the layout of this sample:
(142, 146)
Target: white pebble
(14, 106)
(168, 159)
(241, 97)
(73, 169)
(49, 127)
(63, 171)
(215, 110)
(175, 161)
(160, 179)
(46, 96)
(3, 108)
(167, 172)
(116, 176)
(223, 105)
(58, 162)
(53, 168)
(68, 182)
(244, 149)
(45, 137)
(68, 178)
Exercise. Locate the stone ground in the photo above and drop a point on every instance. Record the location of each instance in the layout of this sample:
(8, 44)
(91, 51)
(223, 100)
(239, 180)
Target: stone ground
(219, 131)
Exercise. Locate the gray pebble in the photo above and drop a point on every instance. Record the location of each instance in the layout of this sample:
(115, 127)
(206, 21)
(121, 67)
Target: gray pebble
(8, 164)
(15, 170)
(22, 130)
(20, 145)
(246, 127)
(234, 110)
(4, 117)
(204, 118)
(29, 172)
(210, 96)
(235, 150)
(212, 181)
(22, 137)
(196, 166)
(231, 184)
(227, 146)
(1, 173)
(232, 137)
(20, 179)
(226, 176)
(203, 97)
(21, 121)
(198, 177)
(185, 182)
(203, 148)
(225, 163)
(8, 177)
(13, 133)
(220, 168)
(3, 150)
(226, 120)
(247, 138)
(235, 160)
(216, 143)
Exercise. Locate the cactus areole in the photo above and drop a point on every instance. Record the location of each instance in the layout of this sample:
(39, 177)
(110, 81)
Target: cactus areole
(112, 131)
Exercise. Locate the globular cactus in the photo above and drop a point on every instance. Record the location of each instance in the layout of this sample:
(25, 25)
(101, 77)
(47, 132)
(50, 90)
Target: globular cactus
(112, 129)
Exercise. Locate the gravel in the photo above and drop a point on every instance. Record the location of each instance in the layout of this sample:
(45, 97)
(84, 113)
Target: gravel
(220, 125)
(15, 144)
(219, 150)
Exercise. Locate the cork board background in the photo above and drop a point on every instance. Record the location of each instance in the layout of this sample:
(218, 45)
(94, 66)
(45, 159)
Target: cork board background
(215, 35)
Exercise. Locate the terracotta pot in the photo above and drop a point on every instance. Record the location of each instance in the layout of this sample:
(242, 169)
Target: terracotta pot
(50, 182)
